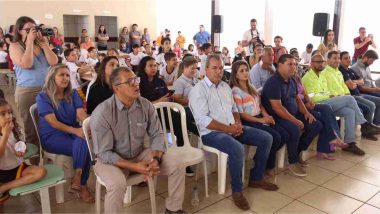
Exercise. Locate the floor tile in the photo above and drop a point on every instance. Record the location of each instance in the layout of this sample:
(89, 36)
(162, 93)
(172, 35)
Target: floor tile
(24, 204)
(369, 148)
(318, 175)
(263, 201)
(145, 206)
(350, 157)
(224, 206)
(73, 206)
(337, 165)
(375, 200)
(373, 162)
(365, 174)
(330, 202)
(286, 183)
(203, 201)
(297, 207)
(352, 187)
(367, 209)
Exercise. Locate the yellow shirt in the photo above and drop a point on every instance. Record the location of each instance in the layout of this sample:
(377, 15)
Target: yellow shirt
(181, 41)
(335, 81)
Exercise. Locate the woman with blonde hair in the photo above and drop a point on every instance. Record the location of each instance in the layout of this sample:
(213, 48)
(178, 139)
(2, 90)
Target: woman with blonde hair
(59, 109)
(252, 113)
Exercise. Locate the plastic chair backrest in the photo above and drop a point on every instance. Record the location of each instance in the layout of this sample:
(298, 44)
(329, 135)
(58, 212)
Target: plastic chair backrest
(87, 134)
(35, 118)
(200, 145)
(166, 107)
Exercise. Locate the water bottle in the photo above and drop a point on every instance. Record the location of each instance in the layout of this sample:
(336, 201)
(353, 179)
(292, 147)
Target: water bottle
(195, 199)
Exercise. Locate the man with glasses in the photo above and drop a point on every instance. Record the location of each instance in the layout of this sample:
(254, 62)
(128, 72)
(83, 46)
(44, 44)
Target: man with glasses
(343, 106)
(261, 72)
(362, 42)
(118, 127)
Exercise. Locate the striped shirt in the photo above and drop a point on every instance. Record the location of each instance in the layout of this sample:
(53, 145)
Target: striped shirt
(245, 102)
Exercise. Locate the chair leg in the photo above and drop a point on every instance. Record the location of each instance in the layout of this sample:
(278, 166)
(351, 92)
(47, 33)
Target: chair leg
(222, 170)
(60, 193)
(206, 176)
(152, 193)
(128, 195)
(243, 173)
(98, 188)
(45, 200)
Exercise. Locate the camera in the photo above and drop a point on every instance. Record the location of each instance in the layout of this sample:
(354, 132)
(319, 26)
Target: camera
(45, 31)
(259, 41)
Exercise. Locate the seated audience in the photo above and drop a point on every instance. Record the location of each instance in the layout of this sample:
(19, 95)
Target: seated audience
(60, 110)
(306, 55)
(207, 49)
(3, 55)
(136, 55)
(226, 56)
(252, 113)
(263, 70)
(165, 47)
(101, 89)
(177, 50)
(92, 58)
(191, 50)
(354, 83)
(343, 106)
(337, 87)
(239, 48)
(75, 71)
(279, 98)
(169, 72)
(119, 144)
(14, 172)
(220, 127)
(122, 60)
(278, 49)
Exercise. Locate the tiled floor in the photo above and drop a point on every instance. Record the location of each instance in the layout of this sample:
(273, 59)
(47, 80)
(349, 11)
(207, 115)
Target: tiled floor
(350, 184)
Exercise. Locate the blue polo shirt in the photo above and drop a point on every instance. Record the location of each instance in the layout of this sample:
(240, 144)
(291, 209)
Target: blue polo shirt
(202, 37)
(276, 88)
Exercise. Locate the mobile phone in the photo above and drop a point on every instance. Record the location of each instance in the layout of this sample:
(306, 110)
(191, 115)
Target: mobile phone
(171, 92)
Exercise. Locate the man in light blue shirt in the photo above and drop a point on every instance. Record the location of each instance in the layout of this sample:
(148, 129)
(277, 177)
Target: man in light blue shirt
(201, 37)
(261, 72)
(219, 123)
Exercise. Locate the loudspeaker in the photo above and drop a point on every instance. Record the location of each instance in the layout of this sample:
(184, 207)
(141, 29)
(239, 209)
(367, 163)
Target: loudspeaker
(217, 24)
(321, 23)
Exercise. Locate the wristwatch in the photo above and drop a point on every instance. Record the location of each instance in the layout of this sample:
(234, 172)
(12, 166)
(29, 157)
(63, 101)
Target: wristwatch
(158, 159)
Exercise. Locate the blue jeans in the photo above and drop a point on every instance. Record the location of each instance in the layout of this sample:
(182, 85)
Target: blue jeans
(324, 113)
(280, 137)
(70, 145)
(233, 146)
(368, 107)
(299, 141)
(347, 107)
(375, 98)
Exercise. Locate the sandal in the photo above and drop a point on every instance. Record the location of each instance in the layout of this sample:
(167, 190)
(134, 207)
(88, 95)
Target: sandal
(86, 196)
(338, 142)
(325, 156)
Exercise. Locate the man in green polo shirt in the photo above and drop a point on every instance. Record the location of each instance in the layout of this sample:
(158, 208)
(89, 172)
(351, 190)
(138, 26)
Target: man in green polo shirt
(316, 85)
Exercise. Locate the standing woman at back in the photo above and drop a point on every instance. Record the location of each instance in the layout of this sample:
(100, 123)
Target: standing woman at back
(102, 38)
(32, 57)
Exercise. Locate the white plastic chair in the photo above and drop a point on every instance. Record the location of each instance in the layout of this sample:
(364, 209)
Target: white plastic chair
(94, 76)
(131, 180)
(189, 154)
(56, 159)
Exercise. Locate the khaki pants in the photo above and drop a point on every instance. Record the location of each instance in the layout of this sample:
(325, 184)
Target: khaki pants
(24, 98)
(114, 179)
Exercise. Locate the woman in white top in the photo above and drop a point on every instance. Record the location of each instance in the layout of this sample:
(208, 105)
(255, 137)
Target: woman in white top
(328, 43)
(14, 172)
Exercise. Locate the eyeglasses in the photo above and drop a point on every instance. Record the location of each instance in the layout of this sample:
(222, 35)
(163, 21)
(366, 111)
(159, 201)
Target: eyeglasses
(131, 82)
(319, 61)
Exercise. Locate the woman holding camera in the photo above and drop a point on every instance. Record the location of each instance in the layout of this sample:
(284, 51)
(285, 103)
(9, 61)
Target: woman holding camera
(32, 57)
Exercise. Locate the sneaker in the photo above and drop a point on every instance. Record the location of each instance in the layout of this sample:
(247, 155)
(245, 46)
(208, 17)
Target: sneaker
(240, 201)
(297, 170)
(302, 163)
(354, 149)
(263, 185)
(189, 172)
(175, 212)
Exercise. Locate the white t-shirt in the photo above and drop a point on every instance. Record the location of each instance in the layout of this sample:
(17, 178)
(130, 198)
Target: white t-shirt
(3, 56)
(306, 57)
(135, 59)
(9, 159)
(91, 61)
(202, 70)
(248, 35)
(74, 75)
(166, 76)
(160, 60)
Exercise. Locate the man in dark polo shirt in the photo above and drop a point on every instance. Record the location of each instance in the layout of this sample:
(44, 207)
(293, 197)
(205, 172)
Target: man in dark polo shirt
(279, 97)
(354, 82)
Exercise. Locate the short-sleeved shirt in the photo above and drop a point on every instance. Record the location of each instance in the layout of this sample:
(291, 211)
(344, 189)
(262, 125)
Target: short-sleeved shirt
(102, 43)
(135, 41)
(248, 36)
(9, 160)
(153, 90)
(202, 37)
(245, 102)
(135, 59)
(166, 76)
(65, 112)
(349, 74)
(124, 38)
(74, 75)
(362, 50)
(276, 88)
(183, 85)
(259, 76)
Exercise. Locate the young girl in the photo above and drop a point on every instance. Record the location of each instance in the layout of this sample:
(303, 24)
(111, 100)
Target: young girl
(13, 170)
(165, 47)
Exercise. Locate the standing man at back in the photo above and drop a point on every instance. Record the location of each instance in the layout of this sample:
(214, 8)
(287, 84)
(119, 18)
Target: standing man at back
(252, 37)
(201, 37)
